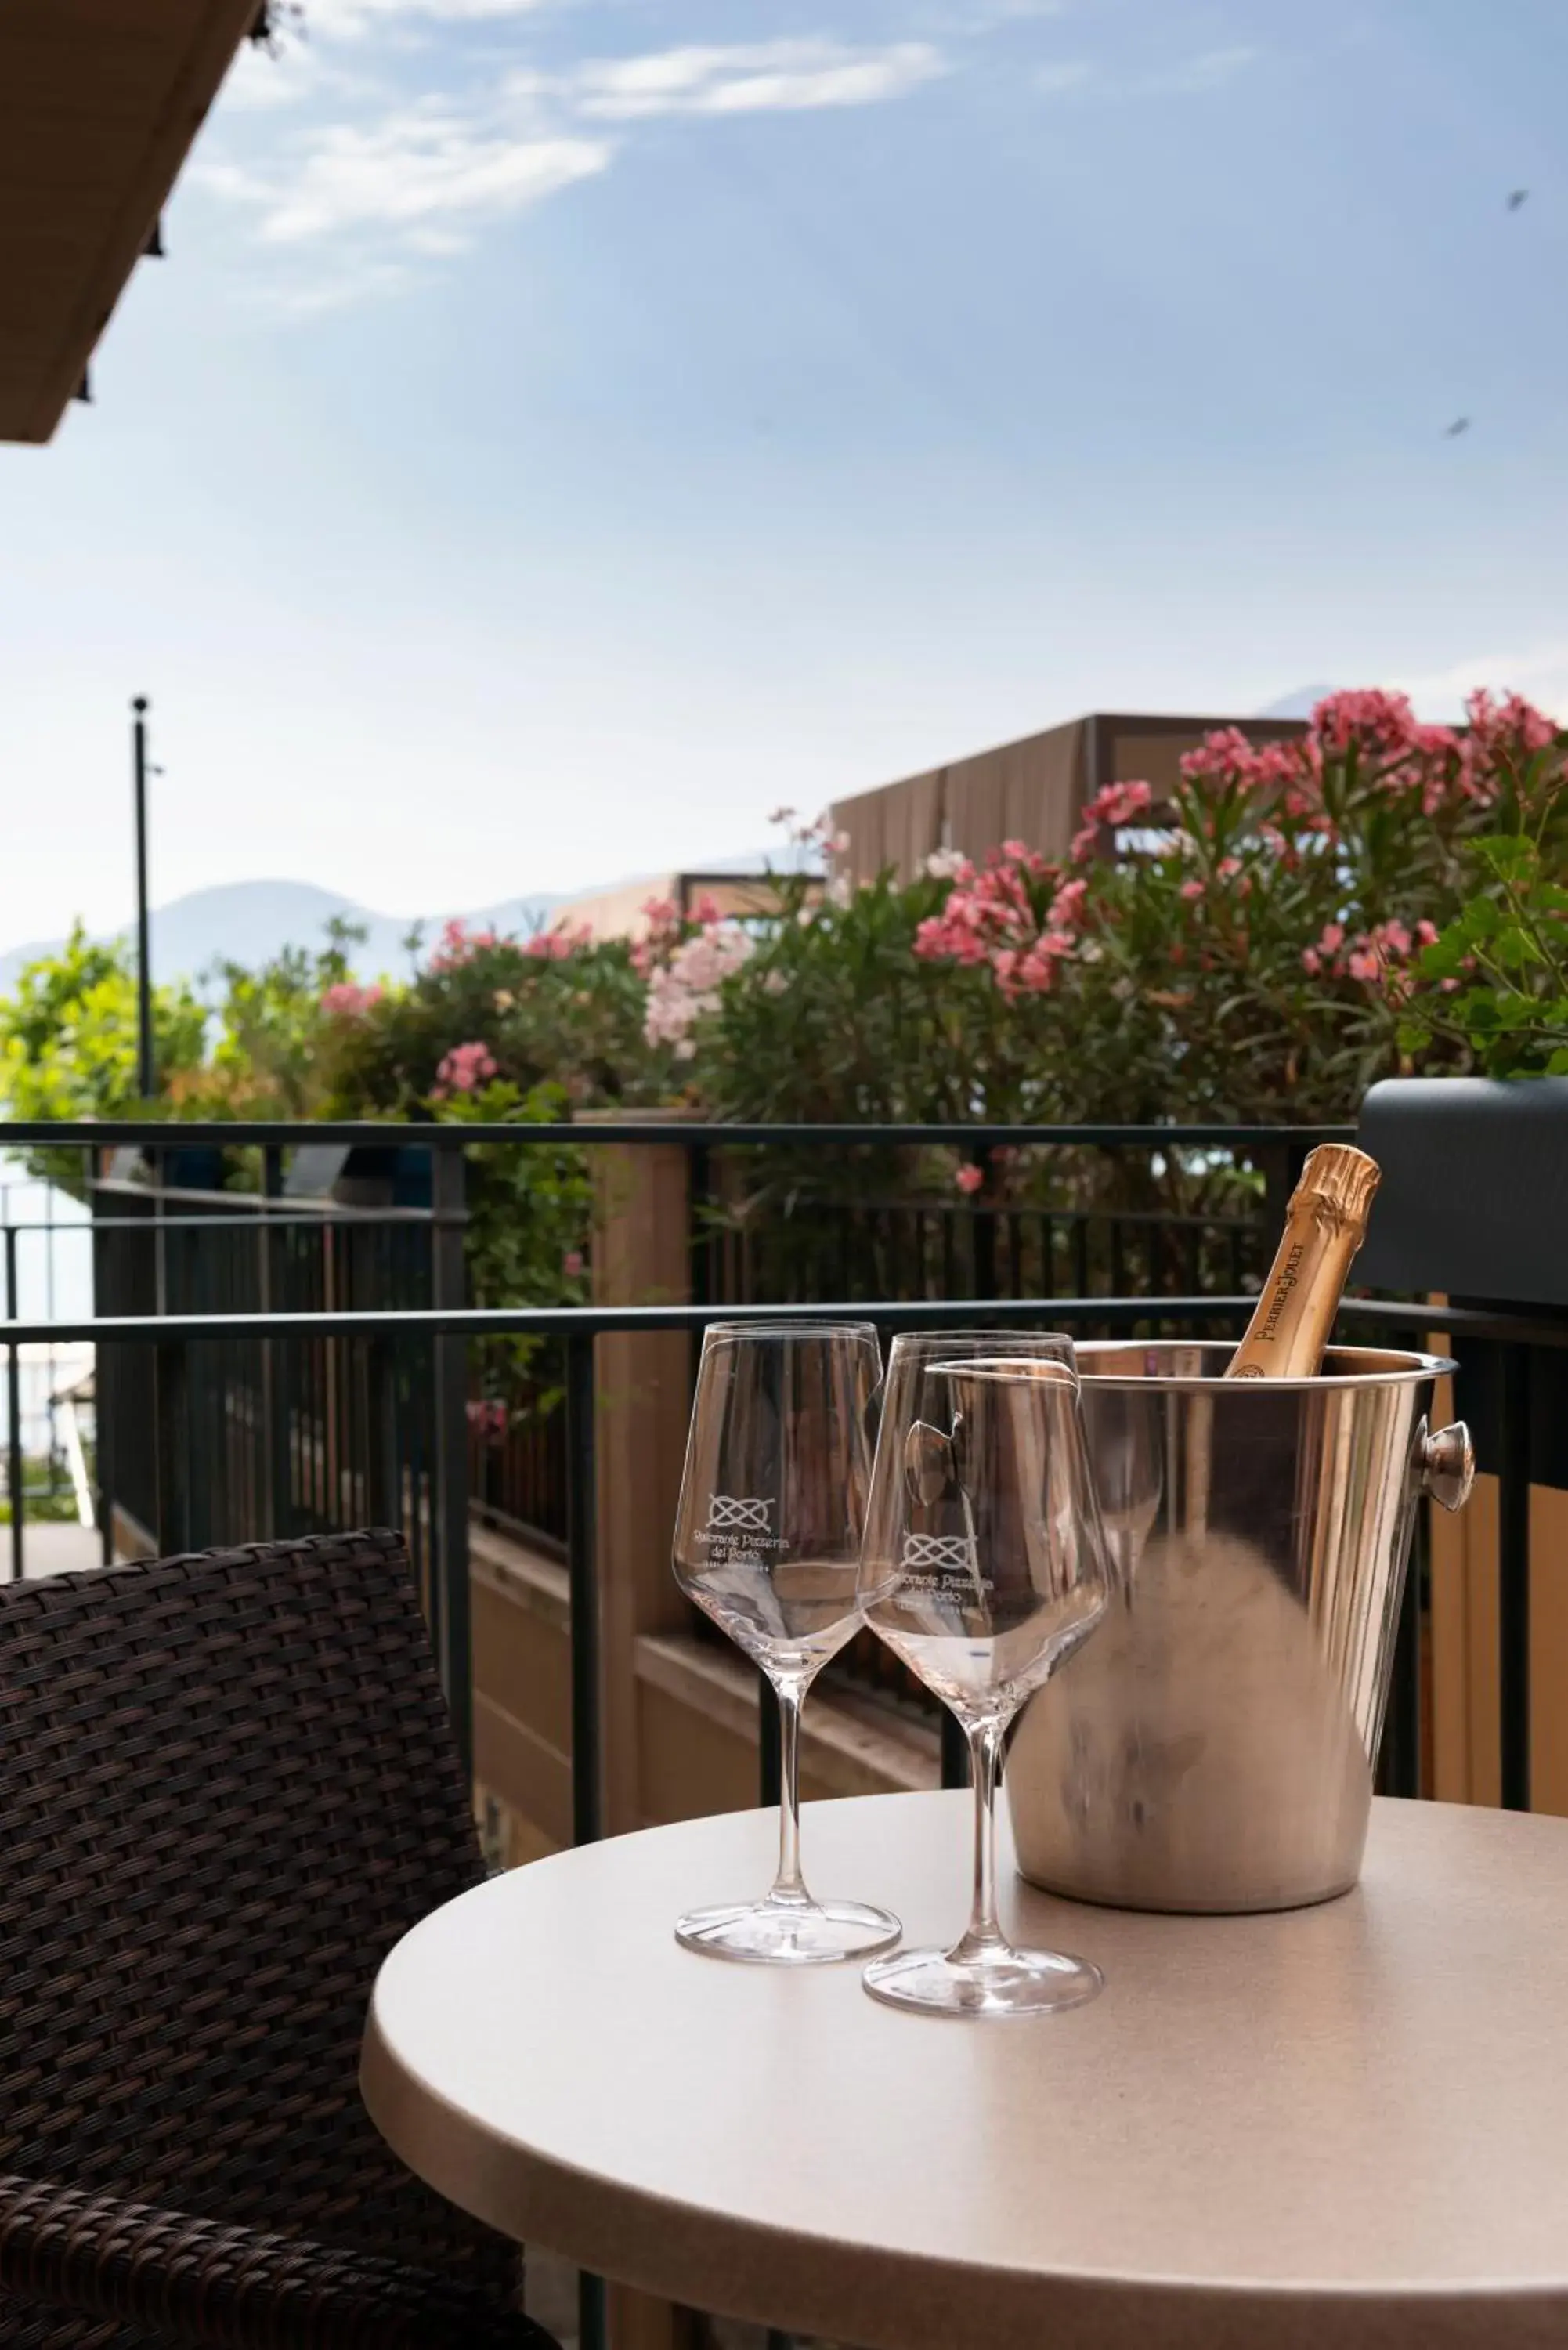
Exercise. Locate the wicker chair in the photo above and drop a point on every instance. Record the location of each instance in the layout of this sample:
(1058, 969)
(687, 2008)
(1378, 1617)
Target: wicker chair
(227, 1785)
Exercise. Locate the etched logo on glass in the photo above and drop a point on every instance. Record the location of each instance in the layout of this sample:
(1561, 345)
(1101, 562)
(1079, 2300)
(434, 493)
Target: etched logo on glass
(952, 1551)
(939, 1566)
(737, 1528)
(740, 1513)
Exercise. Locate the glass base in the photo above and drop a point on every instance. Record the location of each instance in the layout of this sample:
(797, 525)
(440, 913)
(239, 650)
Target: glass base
(774, 1933)
(1000, 1982)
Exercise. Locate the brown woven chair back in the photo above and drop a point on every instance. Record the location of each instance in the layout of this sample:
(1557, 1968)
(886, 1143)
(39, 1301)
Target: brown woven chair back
(227, 1786)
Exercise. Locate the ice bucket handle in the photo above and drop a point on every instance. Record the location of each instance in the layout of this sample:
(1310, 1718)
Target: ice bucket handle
(1446, 1465)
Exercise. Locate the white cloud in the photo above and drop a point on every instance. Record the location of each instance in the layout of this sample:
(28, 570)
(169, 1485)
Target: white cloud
(348, 19)
(298, 299)
(258, 82)
(1210, 70)
(748, 79)
(993, 13)
(420, 179)
(1541, 674)
(422, 171)
(1072, 75)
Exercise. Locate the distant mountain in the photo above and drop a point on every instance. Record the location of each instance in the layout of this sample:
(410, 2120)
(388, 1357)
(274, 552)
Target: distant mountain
(250, 922)
(1299, 704)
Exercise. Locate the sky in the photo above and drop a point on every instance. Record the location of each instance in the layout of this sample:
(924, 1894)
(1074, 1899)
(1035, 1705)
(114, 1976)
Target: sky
(563, 430)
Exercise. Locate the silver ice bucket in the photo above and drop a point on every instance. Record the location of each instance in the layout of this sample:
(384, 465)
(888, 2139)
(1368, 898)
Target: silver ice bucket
(1212, 1745)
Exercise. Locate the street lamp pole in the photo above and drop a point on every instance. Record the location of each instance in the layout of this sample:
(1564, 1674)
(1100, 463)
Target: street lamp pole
(146, 1076)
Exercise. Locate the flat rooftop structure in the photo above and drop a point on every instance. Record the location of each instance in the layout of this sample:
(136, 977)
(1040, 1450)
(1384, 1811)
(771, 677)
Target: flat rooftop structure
(1034, 790)
(100, 102)
(621, 912)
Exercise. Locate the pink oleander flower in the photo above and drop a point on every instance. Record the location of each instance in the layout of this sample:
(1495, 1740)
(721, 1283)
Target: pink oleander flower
(1363, 963)
(1067, 905)
(1227, 868)
(1192, 891)
(1507, 721)
(1383, 722)
(1427, 932)
(1037, 971)
(1085, 843)
(454, 946)
(969, 1179)
(1332, 938)
(345, 1000)
(707, 912)
(995, 917)
(688, 986)
(662, 916)
(1118, 804)
(559, 945)
(464, 1070)
(1312, 962)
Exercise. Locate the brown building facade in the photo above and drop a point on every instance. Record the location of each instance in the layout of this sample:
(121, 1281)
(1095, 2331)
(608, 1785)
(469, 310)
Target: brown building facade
(1034, 790)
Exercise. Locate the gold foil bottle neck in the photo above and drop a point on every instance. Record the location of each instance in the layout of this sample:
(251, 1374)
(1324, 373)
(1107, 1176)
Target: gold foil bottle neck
(1324, 1226)
(1341, 1179)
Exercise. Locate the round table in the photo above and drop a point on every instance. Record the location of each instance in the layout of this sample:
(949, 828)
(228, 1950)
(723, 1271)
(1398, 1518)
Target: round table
(1343, 2125)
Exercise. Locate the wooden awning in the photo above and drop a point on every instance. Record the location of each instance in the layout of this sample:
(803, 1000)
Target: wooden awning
(100, 102)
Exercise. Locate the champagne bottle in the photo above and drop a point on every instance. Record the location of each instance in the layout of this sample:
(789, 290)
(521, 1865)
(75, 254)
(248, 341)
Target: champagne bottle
(1326, 1223)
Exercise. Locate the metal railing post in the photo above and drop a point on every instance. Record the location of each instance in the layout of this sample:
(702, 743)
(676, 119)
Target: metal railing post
(1399, 1769)
(587, 1773)
(276, 1453)
(450, 1599)
(582, 1570)
(103, 1447)
(1513, 1572)
(383, 1500)
(172, 1422)
(15, 1466)
(102, 1376)
(982, 1231)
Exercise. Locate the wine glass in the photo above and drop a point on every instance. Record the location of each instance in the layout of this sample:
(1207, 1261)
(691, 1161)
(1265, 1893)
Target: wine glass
(767, 1543)
(983, 1567)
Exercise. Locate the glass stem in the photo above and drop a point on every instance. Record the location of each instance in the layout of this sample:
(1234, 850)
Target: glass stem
(983, 1933)
(789, 1885)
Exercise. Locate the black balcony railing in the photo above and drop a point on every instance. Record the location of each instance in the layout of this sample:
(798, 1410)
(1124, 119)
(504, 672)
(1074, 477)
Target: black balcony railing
(271, 1367)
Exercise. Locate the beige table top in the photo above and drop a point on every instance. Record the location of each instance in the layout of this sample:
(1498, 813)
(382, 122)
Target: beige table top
(1341, 2126)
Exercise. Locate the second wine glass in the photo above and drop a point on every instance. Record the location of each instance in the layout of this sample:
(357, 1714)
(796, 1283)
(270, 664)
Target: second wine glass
(984, 1567)
(767, 1543)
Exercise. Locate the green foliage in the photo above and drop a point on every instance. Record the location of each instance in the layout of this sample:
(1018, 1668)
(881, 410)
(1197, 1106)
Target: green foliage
(569, 1019)
(528, 1209)
(834, 1017)
(528, 1232)
(275, 1050)
(1497, 976)
(69, 1041)
(69, 1033)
